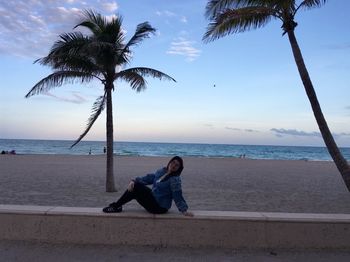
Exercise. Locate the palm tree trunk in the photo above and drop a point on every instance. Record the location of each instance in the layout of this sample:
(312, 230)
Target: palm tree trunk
(110, 187)
(332, 147)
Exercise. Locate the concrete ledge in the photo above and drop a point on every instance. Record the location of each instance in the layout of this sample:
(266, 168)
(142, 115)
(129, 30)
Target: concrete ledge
(223, 229)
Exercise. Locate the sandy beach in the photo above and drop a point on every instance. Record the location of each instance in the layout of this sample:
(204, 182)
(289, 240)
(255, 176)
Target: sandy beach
(208, 183)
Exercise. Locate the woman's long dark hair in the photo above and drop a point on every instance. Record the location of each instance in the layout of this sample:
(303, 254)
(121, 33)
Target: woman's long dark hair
(178, 172)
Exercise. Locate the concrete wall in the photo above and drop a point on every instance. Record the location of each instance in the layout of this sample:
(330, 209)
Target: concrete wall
(207, 229)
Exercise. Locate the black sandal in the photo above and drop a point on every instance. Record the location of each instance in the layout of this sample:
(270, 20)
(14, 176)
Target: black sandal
(112, 209)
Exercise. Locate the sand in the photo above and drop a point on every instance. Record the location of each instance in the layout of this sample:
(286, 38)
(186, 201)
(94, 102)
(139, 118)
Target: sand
(208, 183)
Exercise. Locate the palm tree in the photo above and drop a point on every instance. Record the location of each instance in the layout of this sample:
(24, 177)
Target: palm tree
(103, 55)
(235, 16)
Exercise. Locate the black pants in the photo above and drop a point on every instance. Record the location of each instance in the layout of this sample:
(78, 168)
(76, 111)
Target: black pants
(143, 196)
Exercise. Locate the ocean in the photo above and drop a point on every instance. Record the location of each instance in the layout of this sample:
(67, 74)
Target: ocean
(27, 146)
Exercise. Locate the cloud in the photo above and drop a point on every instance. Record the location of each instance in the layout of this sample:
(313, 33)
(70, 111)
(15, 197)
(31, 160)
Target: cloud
(347, 112)
(28, 28)
(232, 128)
(60, 19)
(342, 134)
(209, 125)
(110, 17)
(170, 14)
(75, 99)
(183, 19)
(110, 7)
(339, 46)
(241, 130)
(166, 13)
(182, 46)
(250, 130)
(293, 132)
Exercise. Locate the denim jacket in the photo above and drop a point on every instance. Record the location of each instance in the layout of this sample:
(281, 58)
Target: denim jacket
(165, 191)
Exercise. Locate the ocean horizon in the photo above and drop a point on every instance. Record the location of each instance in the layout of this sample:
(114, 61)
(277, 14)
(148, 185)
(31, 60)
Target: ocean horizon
(62, 147)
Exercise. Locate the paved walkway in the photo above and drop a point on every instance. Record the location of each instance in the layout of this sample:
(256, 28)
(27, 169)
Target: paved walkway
(31, 251)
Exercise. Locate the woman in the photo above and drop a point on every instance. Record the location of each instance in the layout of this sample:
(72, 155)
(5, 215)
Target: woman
(166, 186)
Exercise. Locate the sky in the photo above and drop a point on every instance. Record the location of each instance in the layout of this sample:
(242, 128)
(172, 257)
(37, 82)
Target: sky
(241, 89)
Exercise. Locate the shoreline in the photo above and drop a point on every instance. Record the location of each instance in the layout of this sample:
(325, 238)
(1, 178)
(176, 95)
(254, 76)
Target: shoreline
(169, 156)
(162, 142)
(227, 184)
(135, 149)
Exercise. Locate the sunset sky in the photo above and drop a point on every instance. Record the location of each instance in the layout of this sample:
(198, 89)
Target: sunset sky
(241, 89)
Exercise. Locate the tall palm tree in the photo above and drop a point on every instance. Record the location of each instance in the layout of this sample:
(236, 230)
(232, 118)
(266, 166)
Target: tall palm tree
(103, 55)
(234, 16)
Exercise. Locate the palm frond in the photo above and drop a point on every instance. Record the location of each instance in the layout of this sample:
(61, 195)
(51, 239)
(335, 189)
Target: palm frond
(215, 7)
(123, 55)
(150, 72)
(238, 20)
(308, 4)
(69, 44)
(90, 25)
(143, 31)
(95, 22)
(107, 42)
(135, 76)
(286, 8)
(136, 81)
(96, 47)
(74, 51)
(57, 79)
(69, 41)
(96, 110)
(113, 32)
(79, 63)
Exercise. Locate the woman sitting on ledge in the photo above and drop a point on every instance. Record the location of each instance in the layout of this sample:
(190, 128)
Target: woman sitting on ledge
(166, 187)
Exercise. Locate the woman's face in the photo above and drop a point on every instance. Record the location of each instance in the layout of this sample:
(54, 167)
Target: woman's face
(174, 166)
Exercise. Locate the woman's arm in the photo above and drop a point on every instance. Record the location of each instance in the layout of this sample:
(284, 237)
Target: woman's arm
(149, 178)
(176, 189)
(145, 180)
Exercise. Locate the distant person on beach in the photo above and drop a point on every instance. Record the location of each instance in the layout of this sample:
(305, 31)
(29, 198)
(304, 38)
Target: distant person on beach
(166, 187)
(104, 150)
(12, 152)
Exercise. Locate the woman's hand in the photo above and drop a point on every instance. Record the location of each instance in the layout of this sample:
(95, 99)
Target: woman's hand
(188, 214)
(131, 186)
